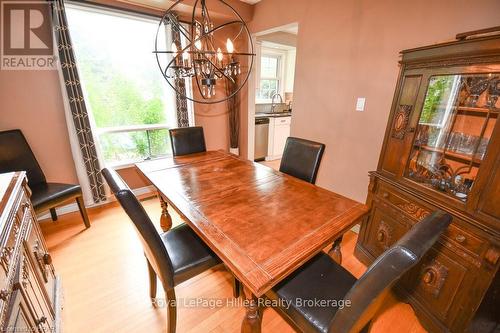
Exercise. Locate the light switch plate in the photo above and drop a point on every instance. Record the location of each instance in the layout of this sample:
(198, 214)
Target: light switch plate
(360, 104)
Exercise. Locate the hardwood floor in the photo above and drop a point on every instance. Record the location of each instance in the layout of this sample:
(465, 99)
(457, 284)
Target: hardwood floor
(105, 282)
(275, 164)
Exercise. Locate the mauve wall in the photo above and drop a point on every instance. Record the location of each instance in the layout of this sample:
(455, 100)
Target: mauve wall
(32, 101)
(349, 49)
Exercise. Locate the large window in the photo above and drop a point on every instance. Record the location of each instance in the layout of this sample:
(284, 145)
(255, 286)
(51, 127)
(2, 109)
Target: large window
(270, 76)
(130, 103)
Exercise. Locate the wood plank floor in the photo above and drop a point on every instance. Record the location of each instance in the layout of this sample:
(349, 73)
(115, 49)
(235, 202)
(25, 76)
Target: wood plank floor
(105, 284)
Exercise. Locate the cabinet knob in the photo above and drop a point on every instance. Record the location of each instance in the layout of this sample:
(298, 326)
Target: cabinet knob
(4, 294)
(428, 277)
(492, 255)
(460, 238)
(47, 259)
(42, 320)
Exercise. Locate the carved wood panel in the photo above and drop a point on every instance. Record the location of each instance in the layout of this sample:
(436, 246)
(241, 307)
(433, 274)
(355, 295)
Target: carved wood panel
(433, 277)
(414, 210)
(385, 235)
(401, 119)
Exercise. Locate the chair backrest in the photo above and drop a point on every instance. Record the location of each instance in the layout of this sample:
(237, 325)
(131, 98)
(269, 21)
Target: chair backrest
(153, 246)
(187, 140)
(367, 294)
(16, 155)
(302, 158)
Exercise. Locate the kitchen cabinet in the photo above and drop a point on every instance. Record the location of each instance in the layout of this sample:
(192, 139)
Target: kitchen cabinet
(279, 131)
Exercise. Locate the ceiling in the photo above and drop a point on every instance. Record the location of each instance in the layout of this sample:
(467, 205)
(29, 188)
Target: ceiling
(219, 12)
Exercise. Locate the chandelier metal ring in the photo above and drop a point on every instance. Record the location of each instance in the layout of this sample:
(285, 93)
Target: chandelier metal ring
(201, 58)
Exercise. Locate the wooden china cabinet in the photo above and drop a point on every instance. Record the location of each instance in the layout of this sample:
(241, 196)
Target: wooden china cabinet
(442, 151)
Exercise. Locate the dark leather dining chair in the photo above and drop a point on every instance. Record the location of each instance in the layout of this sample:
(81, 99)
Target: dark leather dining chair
(322, 279)
(301, 158)
(174, 256)
(16, 155)
(187, 140)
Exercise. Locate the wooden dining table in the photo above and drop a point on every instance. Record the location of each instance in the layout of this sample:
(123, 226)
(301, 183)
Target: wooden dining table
(262, 223)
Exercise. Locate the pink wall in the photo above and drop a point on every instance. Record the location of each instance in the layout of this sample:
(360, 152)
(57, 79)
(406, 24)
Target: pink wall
(32, 101)
(349, 49)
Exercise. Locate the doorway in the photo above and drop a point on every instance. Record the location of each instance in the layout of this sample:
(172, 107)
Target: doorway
(270, 102)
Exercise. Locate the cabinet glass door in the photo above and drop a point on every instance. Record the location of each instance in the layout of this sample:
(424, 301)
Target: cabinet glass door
(457, 120)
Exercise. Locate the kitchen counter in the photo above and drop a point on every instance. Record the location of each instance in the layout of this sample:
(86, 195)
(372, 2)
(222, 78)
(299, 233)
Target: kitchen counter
(273, 115)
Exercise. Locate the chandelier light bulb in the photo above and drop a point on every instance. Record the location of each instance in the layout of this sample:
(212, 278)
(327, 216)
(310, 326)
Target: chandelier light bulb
(197, 43)
(174, 49)
(220, 56)
(185, 57)
(229, 46)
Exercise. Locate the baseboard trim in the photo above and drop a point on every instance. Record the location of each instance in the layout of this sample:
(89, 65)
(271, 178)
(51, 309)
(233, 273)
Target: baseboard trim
(273, 158)
(144, 190)
(73, 207)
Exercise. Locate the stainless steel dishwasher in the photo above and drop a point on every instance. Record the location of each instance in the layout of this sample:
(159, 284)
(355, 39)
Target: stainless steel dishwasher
(261, 138)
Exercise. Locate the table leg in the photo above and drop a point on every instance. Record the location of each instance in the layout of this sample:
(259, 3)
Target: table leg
(334, 252)
(165, 219)
(252, 320)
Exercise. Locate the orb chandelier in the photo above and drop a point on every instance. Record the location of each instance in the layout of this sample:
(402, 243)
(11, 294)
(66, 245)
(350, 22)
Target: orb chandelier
(204, 53)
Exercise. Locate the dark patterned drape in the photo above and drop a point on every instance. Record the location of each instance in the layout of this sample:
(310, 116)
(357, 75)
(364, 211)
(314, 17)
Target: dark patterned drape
(76, 101)
(180, 84)
(181, 103)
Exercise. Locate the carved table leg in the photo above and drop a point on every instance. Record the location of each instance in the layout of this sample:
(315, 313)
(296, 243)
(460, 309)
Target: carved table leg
(252, 321)
(335, 251)
(165, 219)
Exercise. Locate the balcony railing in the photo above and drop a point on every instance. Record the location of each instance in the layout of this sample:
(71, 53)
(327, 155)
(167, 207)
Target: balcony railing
(122, 145)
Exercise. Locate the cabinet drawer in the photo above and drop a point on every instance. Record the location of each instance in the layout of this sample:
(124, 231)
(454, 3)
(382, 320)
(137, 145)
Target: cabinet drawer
(417, 211)
(409, 207)
(20, 318)
(35, 247)
(283, 121)
(28, 282)
(436, 282)
(384, 231)
(465, 239)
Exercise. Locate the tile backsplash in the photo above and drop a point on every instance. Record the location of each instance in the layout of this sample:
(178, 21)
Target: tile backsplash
(266, 108)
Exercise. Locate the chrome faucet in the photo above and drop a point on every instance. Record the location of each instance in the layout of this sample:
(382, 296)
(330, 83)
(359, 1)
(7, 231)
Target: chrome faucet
(273, 106)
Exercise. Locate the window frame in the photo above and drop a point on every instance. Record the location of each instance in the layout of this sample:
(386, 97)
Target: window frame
(98, 131)
(280, 72)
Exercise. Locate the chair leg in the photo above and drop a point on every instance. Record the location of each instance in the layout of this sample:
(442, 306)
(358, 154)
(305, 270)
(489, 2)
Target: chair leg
(236, 287)
(83, 211)
(335, 252)
(368, 327)
(172, 310)
(53, 214)
(152, 282)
